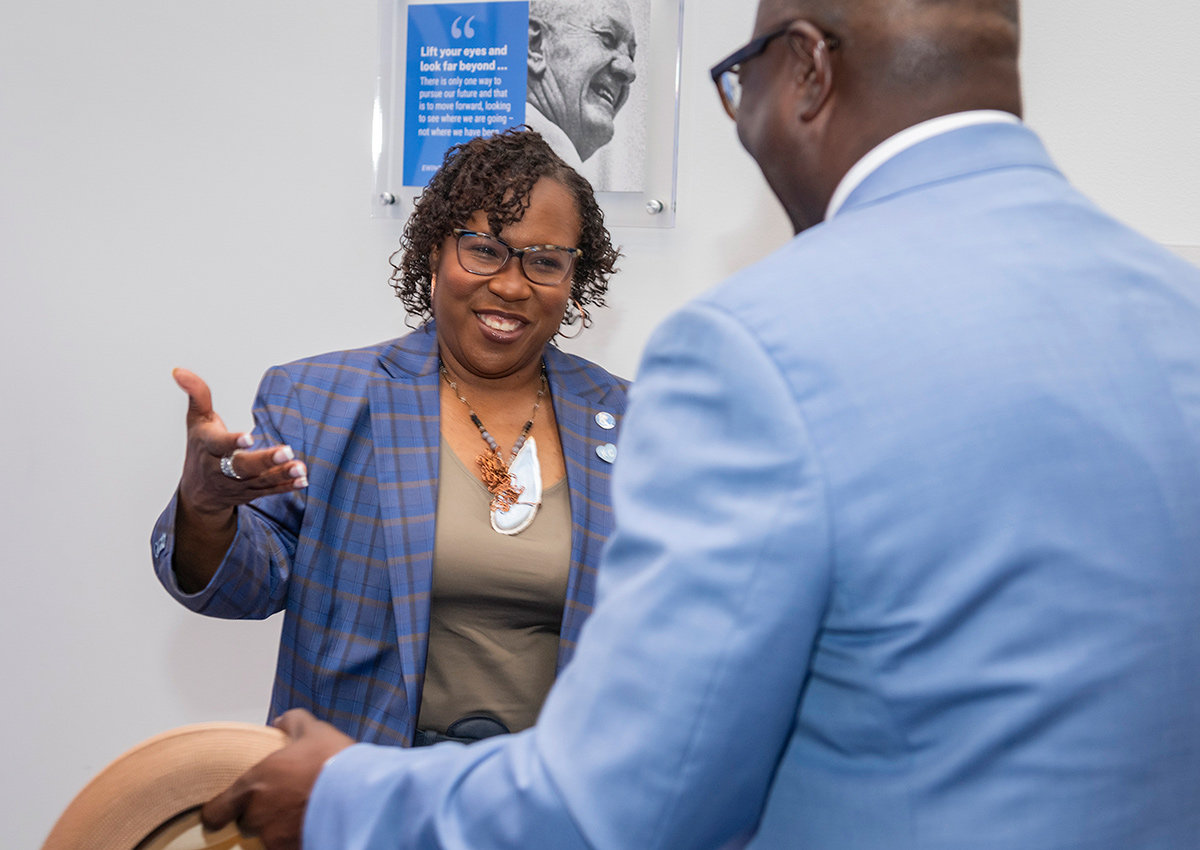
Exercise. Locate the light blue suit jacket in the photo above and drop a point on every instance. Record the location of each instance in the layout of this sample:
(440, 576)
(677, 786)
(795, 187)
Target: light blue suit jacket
(907, 554)
(350, 559)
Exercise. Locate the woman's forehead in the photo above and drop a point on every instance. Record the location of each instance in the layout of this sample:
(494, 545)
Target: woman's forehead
(550, 217)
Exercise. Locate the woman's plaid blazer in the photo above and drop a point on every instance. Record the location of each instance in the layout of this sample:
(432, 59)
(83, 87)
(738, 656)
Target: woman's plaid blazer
(349, 560)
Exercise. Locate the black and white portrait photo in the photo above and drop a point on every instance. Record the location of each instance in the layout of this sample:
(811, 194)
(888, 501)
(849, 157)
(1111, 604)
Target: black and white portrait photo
(583, 94)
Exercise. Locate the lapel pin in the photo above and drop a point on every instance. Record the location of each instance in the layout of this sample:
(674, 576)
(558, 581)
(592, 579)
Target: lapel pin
(606, 420)
(607, 452)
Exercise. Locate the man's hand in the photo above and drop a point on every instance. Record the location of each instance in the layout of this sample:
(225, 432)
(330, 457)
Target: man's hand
(269, 800)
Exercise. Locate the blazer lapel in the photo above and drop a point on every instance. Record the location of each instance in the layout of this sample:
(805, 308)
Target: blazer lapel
(405, 428)
(577, 400)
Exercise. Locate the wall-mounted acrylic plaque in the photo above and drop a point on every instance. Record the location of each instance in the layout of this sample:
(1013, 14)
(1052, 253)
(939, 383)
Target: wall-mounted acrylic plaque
(599, 79)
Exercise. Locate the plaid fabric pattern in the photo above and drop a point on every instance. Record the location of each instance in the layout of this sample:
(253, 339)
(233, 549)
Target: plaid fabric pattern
(349, 560)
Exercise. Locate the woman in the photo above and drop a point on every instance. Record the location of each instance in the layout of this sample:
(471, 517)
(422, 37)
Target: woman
(428, 512)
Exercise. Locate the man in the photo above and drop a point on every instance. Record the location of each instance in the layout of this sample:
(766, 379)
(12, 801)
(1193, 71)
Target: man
(908, 514)
(580, 69)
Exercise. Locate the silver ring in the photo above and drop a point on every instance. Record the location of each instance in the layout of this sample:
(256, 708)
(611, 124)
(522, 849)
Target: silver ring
(227, 466)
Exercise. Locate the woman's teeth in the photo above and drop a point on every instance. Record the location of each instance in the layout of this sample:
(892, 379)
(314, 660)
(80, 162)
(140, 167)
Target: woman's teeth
(499, 324)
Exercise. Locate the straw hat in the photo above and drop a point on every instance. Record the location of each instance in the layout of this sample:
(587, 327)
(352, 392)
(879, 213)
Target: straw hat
(149, 798)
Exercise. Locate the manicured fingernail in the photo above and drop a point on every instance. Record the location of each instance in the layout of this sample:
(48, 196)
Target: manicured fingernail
(283, 455)
(245, 441)
(300, 483)
(298, 471)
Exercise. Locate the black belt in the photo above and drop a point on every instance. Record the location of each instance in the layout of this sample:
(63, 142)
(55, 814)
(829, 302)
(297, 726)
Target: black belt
(474, 727)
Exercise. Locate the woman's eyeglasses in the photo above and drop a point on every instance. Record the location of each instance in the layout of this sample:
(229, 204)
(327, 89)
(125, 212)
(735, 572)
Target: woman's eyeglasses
(545, 265)
(726, 74)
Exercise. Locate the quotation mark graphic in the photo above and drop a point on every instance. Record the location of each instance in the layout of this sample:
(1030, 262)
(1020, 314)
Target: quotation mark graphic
(466, 29)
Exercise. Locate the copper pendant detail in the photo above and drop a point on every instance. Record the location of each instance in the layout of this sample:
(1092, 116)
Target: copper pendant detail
(498, 482)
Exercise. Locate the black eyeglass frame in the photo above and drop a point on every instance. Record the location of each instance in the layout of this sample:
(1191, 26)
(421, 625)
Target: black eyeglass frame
(519, 253)
(752, 48)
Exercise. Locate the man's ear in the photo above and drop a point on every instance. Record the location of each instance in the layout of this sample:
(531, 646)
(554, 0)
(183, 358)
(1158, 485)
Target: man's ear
(813, 68)
(537, 49)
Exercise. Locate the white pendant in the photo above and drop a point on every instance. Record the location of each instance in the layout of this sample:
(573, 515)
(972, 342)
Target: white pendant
(526, 473)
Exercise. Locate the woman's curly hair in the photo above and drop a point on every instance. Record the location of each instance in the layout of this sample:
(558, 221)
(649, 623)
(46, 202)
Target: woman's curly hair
(495, 174)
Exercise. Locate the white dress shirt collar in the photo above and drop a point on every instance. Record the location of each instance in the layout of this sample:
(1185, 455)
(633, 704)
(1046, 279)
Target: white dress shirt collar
(904, 140)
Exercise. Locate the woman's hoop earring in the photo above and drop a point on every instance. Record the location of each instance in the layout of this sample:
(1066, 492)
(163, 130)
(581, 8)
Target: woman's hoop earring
(584, 323)
(432, 284)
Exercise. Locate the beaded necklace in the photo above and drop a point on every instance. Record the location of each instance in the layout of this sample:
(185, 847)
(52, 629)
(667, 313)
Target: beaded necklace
(492, 465)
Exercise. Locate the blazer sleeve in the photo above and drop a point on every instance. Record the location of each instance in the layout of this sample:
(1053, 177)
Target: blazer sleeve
(252, 580)
(665, 730)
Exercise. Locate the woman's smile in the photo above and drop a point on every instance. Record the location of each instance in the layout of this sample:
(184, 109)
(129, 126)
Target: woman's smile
(504, 326)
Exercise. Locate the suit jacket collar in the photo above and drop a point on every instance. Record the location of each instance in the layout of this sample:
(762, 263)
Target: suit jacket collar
(412, 355)
(956, 154)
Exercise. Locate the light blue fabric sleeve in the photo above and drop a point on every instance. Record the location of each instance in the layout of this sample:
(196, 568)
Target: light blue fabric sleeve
(665, 730)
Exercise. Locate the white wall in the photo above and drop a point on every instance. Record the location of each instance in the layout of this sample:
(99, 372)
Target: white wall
(1114, 95)
(188, 184)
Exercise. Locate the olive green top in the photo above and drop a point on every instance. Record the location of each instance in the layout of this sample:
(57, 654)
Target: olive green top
(496, 607)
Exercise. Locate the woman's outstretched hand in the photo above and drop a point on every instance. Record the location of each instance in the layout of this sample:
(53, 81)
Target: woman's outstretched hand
(204, 521)
(263, 471)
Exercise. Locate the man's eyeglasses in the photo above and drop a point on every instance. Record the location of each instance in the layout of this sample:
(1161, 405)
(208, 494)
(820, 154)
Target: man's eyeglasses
(545, 265)
(726, 74)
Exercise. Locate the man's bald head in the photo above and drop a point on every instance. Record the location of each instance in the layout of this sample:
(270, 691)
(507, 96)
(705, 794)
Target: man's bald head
(850, 73)
(917, 42)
